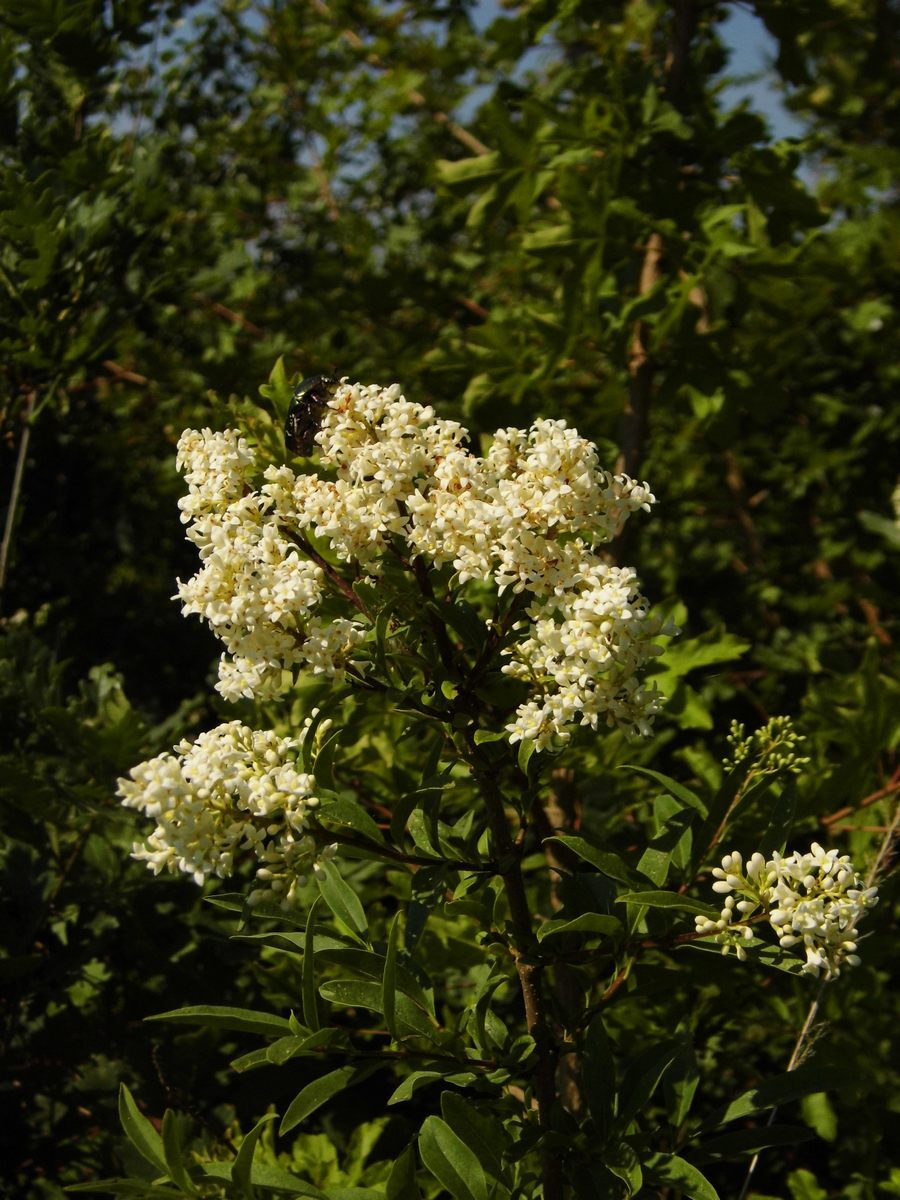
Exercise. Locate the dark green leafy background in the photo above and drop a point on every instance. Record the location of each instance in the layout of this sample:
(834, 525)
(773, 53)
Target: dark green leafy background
(540, 209)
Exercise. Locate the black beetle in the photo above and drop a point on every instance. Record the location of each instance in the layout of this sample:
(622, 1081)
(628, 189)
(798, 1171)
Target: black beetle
(302, 424)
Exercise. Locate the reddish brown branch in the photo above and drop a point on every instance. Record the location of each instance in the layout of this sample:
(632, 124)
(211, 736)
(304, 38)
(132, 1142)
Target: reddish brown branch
(120, 372)
(521, 943)
(888, 790)
(229, 314)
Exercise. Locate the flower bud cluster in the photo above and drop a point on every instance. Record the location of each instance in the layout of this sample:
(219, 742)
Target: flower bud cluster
(812, 901)
(770, 749)
(235, 793)
(526, 516)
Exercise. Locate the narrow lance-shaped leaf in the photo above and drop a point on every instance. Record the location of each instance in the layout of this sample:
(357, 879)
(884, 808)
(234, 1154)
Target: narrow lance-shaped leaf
(173, 1153)
(451, 1162)
(482, 1133)
(410, 1018)
(673, 1171)
(128, 1187)
(643, 1076)
(343, 901)
(673, 787)
(215, 1016)
(792, 1085)
(350, 815)
(140, 1131)
(671, 900)
(587, 923)
(605, 861)
(264, 1175)
(315, 1094)
(744, 1142)
(681, 1083)
(389, 980)
(308, 978)
(599, 1077)
(242, 1166)
(401, 1183)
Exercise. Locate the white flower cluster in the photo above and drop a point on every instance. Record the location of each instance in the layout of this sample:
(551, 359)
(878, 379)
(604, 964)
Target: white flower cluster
(233, 793)
(525, 517)
(255, 588)
(813, 900)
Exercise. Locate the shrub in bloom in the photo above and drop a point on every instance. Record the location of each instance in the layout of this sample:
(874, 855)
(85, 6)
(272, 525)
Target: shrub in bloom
(235, 793)
(396, 483)
(811, 900)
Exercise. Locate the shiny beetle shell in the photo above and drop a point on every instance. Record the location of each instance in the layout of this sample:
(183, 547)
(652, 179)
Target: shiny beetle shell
(305, 413)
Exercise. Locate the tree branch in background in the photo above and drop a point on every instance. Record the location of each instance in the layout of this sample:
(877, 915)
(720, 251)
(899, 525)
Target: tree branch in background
(16, 489)
(641, 368)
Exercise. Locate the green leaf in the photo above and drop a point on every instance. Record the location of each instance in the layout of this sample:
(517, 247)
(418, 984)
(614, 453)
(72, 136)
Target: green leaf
(308, 745)
(599, 1077)
(781, 821)
(286, 1048)
(412, 1083)
(140, 1132)
(283, 1049)
(643, 1076)
(451, 1162)
(308, 976)
(527, 748)
(882, 526)
(622, 1159)
(255, 1058)
(792, 1085)
(315, 1094)
(389, 979)
(673, 1171)
(744, 1142)
(718, 810)
(671, 900)
(425, 828)
(712, 646)
(347, 814)
(587, 923)
(671, 847)
(214, 1016)
(173, 1153)
(266, 1176)
(455, 171)
(757, 951)
(343, 901)
(127, 1187)
(354, 993)
(551, 237)
(489, 735)
(241, 1168)
(805, 1186)
(673, 787)
(605, 861)
(370, 965)
(681, 1083)
(401, 1183)
(820, 1116)
(481, 1132)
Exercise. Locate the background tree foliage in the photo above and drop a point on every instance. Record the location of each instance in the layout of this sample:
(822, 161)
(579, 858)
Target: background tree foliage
(541, 210)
